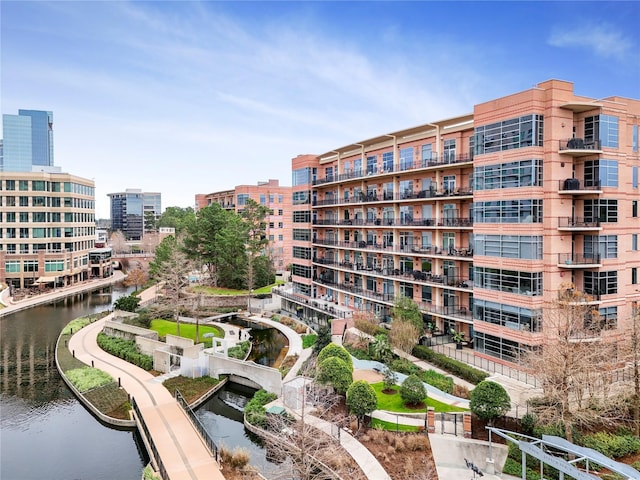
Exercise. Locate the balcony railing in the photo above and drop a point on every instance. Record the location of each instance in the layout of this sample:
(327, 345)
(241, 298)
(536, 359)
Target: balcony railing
(576, 259)
(578, 222)
(576, 185)
(579, 144)
(388, 247)
(434, 161)
(392, 222)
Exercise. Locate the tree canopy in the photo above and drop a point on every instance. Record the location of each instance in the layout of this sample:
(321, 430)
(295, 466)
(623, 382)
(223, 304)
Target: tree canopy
(335, 372)
(412, 390)
(489, 400)
(333, 350)
(361, 399)
(406, 310)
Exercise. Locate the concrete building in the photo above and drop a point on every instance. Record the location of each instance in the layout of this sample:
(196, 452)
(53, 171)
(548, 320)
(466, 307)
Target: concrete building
(47, 229)
(130, 208)
(28, 141)
(480, 219)
(270, 194)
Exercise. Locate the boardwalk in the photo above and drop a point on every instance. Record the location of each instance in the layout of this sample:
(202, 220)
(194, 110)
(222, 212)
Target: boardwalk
(183, 452)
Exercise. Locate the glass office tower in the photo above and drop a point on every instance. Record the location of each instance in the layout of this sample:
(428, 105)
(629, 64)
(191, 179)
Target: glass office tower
(28, 141)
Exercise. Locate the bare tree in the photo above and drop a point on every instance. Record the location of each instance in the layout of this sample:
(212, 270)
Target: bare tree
(404, 335)
(150, 241)
(173, 274)
(572, 363)
(118, 242)
(631, 354)
(136, 277)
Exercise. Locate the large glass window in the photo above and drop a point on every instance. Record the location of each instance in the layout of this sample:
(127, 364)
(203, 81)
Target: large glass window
(526, 247)
(300, 198)
(604, 210)
(601, 283)
(499, 347)
(387, 161)
(302, 252)
(510, 316)
(602, 129)
(301, 271)
(604, 246)
(510, 281)
(522, 173)
(427, 153)
(508, 211)
(372, 164)
(301, 234)
(449, 151)
(518, 132)
(301, 176)
(303, 216)
(406, 158)
(603, 173)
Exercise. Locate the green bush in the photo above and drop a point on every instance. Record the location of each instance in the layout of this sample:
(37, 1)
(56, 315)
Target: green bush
(87, 378)
(126, 350)
(254, 410)
(438, 380)
(402, 365)
(612, 445)
(514, 468)
(454, 367)
(528, 423)
(357, 353)
(308, 340)
(240, 350)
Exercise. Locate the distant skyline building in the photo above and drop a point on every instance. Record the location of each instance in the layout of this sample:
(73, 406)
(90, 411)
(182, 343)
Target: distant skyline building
(128, 211)
(27, 143)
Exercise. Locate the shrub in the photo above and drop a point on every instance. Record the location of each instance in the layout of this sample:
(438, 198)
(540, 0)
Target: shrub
(438, 380)
(489, 400)
(412, 390)
(254, 410)
(612, 445)
(528, 423)
(323, 339)
(87, 378)
(126, 350)
(357, 352)
(308, 340)
(336, 372)
(333, 350)
(402, 365)
(454, 367)
(240, 350)
(127, 303)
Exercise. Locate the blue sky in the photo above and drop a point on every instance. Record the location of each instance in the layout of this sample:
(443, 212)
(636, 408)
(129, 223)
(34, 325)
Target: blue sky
(194, 97)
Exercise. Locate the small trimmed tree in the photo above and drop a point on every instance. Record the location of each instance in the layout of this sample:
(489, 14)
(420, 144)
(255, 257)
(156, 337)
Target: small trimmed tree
(333, 350)
(127, 303)
(412, 390)
(389, 379)
(324, 338)
(335, 372)
(361, 399)
(489, 400)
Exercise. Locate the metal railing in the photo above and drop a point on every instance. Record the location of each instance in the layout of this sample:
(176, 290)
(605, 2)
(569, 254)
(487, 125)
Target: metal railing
(578, 222)
(155, 455)
(579, 144)
(211, 445)
(578, 259)
(575, 184)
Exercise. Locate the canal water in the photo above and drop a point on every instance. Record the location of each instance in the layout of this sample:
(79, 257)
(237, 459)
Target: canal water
(46, 433)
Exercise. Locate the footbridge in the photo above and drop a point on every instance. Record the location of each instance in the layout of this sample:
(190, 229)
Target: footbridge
(258, 376)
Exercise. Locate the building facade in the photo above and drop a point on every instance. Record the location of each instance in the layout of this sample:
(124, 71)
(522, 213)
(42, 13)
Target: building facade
(277, 198)
(481, 219)
(47, 229)
(27, 142)
(130, 208)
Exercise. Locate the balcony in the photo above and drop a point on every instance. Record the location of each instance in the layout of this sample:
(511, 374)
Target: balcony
(576, 261)
(579, 147)
(441, 162)
(574, 186)
(578, 224)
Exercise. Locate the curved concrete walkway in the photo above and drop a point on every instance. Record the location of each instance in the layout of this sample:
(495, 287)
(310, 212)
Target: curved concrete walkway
(183, 452)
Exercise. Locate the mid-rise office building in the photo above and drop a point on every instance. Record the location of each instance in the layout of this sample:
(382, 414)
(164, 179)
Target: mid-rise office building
(130, 208)
(481, 219)
(28, 141)
(270, 194)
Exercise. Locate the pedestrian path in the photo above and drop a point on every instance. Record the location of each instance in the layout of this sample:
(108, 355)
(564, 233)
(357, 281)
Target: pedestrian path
(180, 446)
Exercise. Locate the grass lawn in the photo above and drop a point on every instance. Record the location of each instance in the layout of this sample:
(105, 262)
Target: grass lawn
(229, 291)
(376, 422)
(393, 403)
(187, 330)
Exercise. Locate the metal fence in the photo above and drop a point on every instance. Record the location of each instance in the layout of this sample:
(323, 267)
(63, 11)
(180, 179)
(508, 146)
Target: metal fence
(211, 445)
(487, 365)
(155, 455)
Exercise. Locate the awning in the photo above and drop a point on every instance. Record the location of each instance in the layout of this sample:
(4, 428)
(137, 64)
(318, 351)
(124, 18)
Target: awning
(46, 280)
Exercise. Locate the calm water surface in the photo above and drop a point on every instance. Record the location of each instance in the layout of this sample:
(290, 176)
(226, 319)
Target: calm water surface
(45, 433)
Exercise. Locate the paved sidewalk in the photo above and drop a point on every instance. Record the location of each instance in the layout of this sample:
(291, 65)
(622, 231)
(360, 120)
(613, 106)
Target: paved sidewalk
(180, 446)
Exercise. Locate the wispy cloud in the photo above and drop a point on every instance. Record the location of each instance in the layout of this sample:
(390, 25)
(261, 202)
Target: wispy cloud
(604, 40)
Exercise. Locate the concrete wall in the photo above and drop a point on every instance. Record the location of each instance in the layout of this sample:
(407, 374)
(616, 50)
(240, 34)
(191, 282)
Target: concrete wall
(178, 341)
(148, 345)
(268, 378)
(128, 332)
(222, 301)
(162, 361)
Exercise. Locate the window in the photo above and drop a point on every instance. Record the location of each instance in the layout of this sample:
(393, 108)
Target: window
(10, 185)
(526, 247)
(608, 318)
(300, 234)
(634, 138)
(510, 281)
(24, 217)
(263, 199)
(510, 316)
(522, 173)
(604, 246)
(634, 208)
(301, 198)
(604, 210)
(519, 132)
(301, 271)
(601, 283)
(634, 275)
(427, 153)
(406, 158)
(280, 225)
(372, 164)
(634, 242)
(280, 238)
(24, 233)
(272, 198)
(603, 173)
(634, 177)
(24, 201)
(449, 152)
(11, 217)
(242, 199)
(508, 211)
(23, 185)
(602, 130)
(12, 266)
(302, 216)
(30, 266)
(38, 186)
(387, 161)
(10, 201)
(499, 347)
(271, 238)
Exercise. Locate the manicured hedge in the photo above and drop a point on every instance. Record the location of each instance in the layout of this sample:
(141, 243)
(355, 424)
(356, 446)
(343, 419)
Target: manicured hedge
(454, 367)
(126, 350)
(612, 445)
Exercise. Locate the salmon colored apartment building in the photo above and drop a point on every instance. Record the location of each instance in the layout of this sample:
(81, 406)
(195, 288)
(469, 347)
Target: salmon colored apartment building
(277, 198)
(481, 219)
